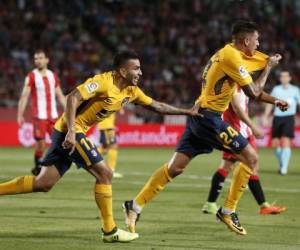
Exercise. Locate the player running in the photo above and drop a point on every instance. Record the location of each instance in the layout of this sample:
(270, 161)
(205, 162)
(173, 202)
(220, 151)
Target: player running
(43, 85)
(224, 71)
(237, 116)
(89, 103)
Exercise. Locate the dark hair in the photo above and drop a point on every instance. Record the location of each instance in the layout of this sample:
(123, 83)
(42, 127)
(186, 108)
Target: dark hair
(285, 70)
(40, 51)
(123, 56)
(242, 27)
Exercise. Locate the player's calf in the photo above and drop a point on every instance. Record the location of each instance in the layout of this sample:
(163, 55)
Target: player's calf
(47, 178)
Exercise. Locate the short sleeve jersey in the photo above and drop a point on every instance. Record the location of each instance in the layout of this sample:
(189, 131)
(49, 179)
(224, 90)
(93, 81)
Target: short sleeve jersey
(290, 94)
(225, 69)
(255, 64)
(101, 98)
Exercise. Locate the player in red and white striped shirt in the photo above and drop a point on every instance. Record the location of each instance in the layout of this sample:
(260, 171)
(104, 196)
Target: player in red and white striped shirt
(237, 116)
(43, 86)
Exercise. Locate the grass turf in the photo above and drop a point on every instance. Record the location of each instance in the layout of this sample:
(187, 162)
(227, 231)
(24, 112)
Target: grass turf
(67, 216)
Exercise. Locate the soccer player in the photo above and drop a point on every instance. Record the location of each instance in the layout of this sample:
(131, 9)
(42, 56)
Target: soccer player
(202, 134)
(237, 116)
(43, 85)
(283, 125)
(108, 141)
(89, 103)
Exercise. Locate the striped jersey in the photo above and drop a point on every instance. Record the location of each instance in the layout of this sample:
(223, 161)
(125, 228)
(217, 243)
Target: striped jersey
(43, 101)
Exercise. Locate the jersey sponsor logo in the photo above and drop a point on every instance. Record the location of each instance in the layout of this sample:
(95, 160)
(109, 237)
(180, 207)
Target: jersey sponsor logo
(91, 87)
(243, 72)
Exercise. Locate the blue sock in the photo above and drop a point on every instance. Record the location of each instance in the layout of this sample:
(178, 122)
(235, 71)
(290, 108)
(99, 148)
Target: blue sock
(285, 158)
(278, 153)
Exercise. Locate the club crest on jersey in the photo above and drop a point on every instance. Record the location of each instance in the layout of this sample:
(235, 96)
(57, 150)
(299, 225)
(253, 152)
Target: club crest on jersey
(236, 144)
(94, 153)
(125, 101)
(91, 87)
(243, 72)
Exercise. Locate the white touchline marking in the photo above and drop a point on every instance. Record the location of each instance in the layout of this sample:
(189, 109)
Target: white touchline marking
(74, 171)
(9, 157)
(206, 186)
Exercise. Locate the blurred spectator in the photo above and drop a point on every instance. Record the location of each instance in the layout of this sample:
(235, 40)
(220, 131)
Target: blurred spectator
(174, 38)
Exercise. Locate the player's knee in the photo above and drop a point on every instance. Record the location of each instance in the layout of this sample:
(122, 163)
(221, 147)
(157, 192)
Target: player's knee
(228, 169)
(44, 186)
(275, 143)
(177, 164)
(112, 146)
(228, 166)
(107, 172)
(175, 170)
(253, 161)
(103, 173)
(255, 170)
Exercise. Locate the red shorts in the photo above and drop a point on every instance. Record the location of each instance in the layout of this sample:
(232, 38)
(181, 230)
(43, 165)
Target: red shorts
(41, 127)
(232, 157)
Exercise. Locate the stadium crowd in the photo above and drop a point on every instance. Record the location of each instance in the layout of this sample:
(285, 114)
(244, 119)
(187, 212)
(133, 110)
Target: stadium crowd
(173, 37)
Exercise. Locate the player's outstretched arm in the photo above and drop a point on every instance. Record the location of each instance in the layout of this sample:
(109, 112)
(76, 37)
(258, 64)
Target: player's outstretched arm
(255, 89)
(163, 108)
(72, 102)
(264, 97)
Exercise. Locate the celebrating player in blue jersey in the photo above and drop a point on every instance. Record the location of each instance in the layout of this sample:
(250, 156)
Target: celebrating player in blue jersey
(283, 122)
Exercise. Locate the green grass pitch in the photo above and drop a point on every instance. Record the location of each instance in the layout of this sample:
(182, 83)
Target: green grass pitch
(67, 216)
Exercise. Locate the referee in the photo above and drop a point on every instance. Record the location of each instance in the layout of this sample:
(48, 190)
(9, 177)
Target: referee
(283, 125)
